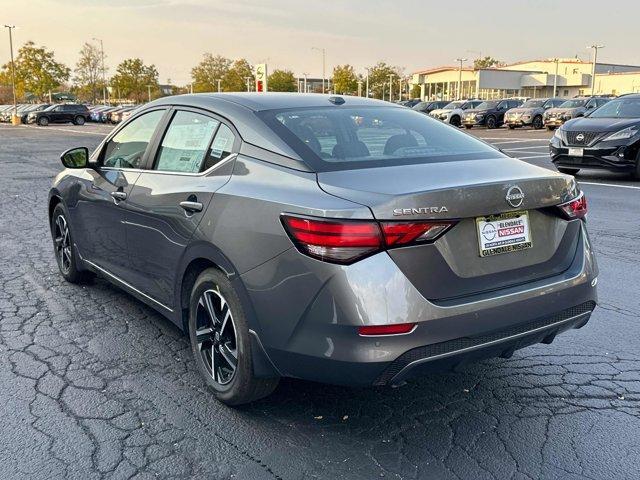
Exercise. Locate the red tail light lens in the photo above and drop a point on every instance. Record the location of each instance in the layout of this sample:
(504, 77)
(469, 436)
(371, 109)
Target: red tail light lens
(345, 241)
(397, 329)
(576, 208)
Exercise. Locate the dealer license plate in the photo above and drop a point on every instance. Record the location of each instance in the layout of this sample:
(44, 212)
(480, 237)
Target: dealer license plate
(576, 152)
(504, 233)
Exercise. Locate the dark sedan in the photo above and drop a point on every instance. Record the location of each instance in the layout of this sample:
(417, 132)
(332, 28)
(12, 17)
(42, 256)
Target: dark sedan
(428, 106)
(489, 113)
(608, 139)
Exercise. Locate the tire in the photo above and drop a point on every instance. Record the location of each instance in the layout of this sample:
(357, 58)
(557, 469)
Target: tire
(568, 171)
(468, 127)
(511, 127)
(43, 121)
(551, 128)
(213, 296)
(536, 123)
(455, 121)
(64, 248)
(79, 120)
(491, 122)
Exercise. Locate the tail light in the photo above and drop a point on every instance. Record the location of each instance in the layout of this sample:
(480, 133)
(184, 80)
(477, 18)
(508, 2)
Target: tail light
(576, 208)
(345, 241)
(394, 329)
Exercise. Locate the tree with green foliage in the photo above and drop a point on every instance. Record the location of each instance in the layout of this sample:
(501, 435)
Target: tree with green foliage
(132, 79)
(379, 80)
(345, 81)
(235, 80)
(281, 81)
(486, 62)
(88, 73)
(37, 71)
(208, 71)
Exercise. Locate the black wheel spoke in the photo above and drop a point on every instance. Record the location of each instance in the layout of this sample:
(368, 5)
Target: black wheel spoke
(216, 336)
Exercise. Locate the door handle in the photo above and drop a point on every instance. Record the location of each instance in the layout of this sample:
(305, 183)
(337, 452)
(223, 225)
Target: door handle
(191, 207)
(118, 196)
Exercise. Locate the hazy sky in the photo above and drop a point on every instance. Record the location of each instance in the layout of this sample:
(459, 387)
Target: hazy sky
(173, 34)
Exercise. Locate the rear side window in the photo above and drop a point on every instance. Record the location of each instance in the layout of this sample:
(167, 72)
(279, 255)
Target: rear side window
(186, 143)
(127, 147)
(335, 138)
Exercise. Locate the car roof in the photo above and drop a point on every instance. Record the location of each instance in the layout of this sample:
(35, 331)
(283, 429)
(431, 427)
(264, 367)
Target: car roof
(268, 101)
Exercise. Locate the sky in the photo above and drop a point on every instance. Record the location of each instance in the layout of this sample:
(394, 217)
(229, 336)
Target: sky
(411, 34)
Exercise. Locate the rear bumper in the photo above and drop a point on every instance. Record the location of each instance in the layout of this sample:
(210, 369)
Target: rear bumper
(311, 333)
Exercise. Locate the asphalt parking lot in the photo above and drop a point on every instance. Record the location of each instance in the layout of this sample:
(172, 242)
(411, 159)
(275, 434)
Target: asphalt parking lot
(94, 384)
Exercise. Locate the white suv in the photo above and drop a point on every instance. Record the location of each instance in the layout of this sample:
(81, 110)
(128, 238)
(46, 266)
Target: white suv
(452, 113)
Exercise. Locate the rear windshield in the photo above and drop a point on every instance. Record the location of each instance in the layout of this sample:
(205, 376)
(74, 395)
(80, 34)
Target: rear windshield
(337, 138)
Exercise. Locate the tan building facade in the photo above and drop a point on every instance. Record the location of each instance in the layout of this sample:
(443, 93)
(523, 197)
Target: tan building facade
(537, 78)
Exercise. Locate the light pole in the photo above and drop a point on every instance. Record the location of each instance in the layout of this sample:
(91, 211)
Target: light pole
(359, 88)
(595, 48)
(460, 76)
(555, 77)
(305, 83)
(324, 55)
(367, 87)
(248, 79)
(391, 75)
(218, 80)
(104, 83)
(149, 92)
(13, 74)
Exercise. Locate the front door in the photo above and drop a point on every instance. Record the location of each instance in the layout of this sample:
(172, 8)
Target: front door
(169, 199)
(100, 213)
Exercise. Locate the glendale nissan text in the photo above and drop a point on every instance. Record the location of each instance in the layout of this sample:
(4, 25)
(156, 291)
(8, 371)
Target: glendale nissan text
(330, 238)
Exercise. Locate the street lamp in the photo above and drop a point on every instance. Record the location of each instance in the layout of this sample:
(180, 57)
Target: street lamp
(460, 75)
(13, 75)
(367, 87)
(104, 83)
(218, 80)
(595, 48)
(391, 75)
(248, 79)
(324, 54)
(149, 91)
(555, 77)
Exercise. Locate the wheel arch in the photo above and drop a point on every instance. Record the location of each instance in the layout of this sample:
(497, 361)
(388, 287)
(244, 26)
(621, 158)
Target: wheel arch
(199, 257)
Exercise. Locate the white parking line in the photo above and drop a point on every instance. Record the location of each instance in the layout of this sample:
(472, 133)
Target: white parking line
(609, 185)
(524, 148)
(537, 154)
(532, 156)
(518, 140)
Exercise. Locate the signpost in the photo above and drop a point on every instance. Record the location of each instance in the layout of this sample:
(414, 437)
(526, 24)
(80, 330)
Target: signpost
(261, 77)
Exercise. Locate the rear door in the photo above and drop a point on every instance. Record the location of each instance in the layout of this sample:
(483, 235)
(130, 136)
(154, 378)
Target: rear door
(191, 161)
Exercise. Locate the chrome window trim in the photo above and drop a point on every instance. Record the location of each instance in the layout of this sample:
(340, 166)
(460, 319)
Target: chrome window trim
(185, 174)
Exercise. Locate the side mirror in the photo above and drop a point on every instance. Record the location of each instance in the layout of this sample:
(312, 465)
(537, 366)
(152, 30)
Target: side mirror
(75, 157)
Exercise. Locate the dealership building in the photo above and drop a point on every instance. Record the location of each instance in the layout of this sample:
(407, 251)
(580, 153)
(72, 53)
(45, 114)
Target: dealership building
(534, 78)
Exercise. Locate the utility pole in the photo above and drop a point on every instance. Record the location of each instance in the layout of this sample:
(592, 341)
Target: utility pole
(149, 91)
(218, 80)
(555, 77)
(13, 75)
(460, 76)
(391, 87)
(324, 54)
(595, 48)
(104, 83)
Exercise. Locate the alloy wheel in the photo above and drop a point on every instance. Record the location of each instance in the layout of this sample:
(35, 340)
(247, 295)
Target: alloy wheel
(63, 244)
(216, 336)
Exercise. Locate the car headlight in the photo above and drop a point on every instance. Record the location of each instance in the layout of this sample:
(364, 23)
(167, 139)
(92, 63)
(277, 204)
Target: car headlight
(558, 134)
(622, 134)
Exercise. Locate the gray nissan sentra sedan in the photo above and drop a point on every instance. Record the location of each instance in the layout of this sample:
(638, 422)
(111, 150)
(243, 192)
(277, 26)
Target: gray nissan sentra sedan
(335, 239)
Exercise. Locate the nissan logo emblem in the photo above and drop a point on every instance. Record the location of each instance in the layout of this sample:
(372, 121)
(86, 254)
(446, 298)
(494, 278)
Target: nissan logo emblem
(514, 197)
(580, 137)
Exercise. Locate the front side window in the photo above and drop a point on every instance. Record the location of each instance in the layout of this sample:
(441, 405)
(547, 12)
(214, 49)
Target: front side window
(186, 143)
(127, 147)
(332, 138)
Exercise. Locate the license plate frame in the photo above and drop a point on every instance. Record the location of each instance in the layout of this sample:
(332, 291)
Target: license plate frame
(513, 227)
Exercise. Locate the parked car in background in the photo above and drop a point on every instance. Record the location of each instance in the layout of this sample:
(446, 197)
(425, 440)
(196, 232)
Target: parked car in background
(453, 111)
(530, 112)
(489, 113)
(126, 114)
(96, 111)
(24, 114)
(428, 106)
(607, 138)
(573, 108)
(75, 113)
(5, 113)
(117, 115)
(398, 247)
